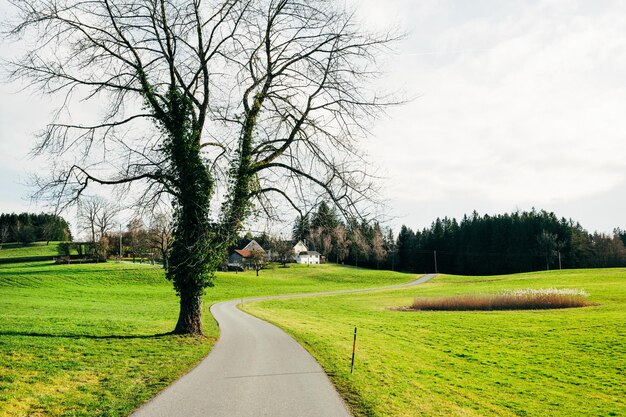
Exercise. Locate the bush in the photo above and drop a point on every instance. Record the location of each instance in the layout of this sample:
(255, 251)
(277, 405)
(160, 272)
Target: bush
(64, 248)
(508, 300)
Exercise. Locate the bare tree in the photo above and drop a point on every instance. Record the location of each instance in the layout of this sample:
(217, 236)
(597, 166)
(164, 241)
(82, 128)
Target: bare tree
(161, 235)
(342, 245)
(239, 99)
(378, 245)
(97, 216)
(282, 251)
(135, 232)
(87, 214)
(106, 218)
(257, 260)
(49, 230)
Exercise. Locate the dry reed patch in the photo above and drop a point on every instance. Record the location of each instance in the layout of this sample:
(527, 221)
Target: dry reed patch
(529, 299)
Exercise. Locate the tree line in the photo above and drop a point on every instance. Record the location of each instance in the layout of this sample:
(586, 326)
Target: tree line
(475, 245)
(507, 243)
(26, 228)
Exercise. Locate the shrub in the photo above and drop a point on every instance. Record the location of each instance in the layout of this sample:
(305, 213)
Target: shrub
(528, 299)
(64, 248)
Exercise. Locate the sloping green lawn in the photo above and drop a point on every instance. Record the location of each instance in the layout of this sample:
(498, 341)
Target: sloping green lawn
(569, 362)
(15, 250)
(90, 340)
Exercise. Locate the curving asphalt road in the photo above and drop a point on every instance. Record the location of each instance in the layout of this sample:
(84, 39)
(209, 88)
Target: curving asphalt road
(254, 370)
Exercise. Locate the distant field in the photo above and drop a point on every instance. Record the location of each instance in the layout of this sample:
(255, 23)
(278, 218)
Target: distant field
(89, 340)
(16, 250)
(569, 362)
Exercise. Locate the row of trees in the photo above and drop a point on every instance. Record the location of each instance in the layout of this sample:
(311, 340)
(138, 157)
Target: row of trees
(508, 243)
(477, 245)
(26, 228)
(98, 219)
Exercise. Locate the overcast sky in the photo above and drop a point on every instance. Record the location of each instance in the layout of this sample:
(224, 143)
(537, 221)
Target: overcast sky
(518, 104)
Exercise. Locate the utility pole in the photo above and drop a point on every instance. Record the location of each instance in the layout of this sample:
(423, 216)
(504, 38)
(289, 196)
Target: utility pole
(435, 255)
(120, 242)
(559, 252)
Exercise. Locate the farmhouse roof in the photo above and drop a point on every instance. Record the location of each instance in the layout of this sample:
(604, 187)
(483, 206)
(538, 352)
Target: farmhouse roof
(253, 245)
(243, 252)
(310, 252)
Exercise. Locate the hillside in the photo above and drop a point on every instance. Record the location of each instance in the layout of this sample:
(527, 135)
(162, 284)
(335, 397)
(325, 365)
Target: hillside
(17, 250)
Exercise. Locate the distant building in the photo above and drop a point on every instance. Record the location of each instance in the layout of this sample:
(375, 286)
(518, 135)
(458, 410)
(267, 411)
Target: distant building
(240, 258)
(253, 245)
(298, 248)
(310, 257)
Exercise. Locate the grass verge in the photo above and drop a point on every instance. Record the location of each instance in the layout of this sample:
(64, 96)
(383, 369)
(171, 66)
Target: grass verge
(569, 362)
(91, 339)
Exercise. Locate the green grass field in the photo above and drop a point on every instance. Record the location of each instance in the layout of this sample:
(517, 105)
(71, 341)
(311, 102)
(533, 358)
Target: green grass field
(15, 250)
(90, 340)
(569, 362)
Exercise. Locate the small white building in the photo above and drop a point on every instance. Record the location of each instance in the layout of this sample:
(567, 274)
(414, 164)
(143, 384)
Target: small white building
(298, 248)
(310, 257)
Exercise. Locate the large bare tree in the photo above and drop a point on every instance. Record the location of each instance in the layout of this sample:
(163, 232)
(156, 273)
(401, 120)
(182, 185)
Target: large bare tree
(216, 106)
(97, 216)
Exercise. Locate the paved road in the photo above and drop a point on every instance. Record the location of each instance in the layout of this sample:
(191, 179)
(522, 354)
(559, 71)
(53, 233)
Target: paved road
(254, 370)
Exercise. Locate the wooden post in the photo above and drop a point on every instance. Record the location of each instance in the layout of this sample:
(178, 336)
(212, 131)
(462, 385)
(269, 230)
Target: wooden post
(353, 350)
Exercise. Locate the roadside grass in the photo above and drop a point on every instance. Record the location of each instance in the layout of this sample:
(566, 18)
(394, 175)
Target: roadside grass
(569, 362)
(17, 250)
(91, 339)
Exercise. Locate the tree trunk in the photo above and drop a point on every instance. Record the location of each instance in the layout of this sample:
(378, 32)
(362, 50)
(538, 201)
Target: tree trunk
(164, 255)
(190, 315)
(196, 251)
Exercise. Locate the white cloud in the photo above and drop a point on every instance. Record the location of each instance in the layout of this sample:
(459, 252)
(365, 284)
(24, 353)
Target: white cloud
(515, 110)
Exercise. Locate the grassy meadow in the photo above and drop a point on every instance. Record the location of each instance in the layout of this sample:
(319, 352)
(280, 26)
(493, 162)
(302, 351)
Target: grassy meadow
(91, 339)
(569, 362)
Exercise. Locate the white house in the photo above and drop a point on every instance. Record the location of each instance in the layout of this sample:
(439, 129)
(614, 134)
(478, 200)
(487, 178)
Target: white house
(310, 257)
(299, 248)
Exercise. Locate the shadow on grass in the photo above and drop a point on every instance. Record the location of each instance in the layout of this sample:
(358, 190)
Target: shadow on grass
(87, 336)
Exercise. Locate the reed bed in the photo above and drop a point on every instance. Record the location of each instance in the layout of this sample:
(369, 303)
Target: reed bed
(528, 299)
